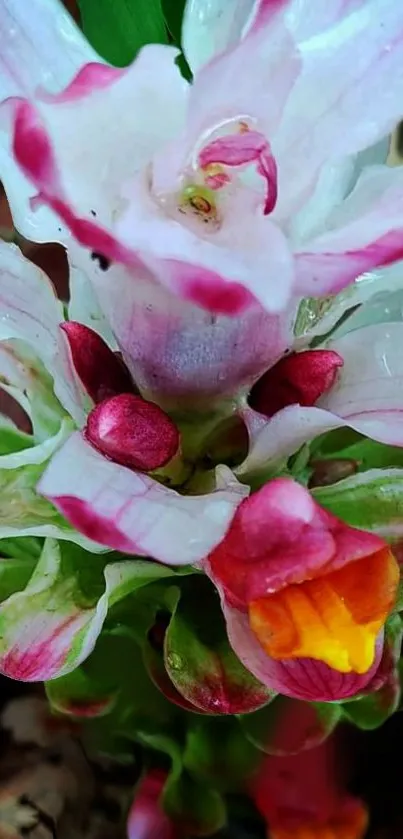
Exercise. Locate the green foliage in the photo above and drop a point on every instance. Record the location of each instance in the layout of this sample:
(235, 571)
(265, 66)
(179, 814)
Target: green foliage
(118, 29)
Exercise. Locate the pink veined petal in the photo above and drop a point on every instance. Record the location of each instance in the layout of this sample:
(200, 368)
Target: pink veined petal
(133, 513)
(338, 107)
(30, 311)
(302, 678)
(364, 232)
(240, 149)
(179, 352)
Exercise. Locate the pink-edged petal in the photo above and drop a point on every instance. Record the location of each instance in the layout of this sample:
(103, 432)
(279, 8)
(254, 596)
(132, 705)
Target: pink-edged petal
(45, 630)
(365, 232)
(302, 678)
(131, 512)
(177, 351)
(273, 441)
(44, 47)
(225, 273)
(350, 55)
(31, 312)
(116, 133)
(147, 819)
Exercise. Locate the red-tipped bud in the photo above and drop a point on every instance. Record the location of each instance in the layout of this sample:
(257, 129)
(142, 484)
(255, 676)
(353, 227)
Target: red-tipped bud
(300, 378)
(133, 432)
(101, 371)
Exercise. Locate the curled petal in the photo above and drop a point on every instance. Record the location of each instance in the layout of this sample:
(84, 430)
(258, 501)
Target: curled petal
(133, 432)
(280, 536)
(132, 512)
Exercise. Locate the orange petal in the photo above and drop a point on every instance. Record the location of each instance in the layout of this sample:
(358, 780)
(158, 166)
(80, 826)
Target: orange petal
(335, 618)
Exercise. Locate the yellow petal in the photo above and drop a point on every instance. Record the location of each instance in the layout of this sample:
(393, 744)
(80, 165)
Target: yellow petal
(335, 618)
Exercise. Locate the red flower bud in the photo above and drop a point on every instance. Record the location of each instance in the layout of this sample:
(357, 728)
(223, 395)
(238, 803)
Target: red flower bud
(300, 378)
(101, 371)
(133, 432)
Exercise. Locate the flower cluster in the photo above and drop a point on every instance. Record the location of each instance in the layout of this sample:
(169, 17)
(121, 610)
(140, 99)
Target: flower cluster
(209, 501)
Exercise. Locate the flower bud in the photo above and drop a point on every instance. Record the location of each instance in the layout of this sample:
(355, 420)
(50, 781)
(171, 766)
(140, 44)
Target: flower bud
(101, 371)
(133, 432)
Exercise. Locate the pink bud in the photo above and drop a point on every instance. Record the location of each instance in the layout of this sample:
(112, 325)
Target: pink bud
(133, 432)
(300, 378)
(147, 819)
(101, 371)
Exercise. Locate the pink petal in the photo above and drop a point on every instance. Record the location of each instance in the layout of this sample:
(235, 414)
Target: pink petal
(31, 312)
(133, 432)
(131, 512)
(116, 133)
(177, 351)
(240, 149)
(365, 232)
(279, 536)
(147, 819)
(302, 678)
(351, 53)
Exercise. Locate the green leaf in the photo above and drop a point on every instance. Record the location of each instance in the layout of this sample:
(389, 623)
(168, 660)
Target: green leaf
(14, 575)
(173, 13)
(117, 29)
(288, 726)
(13, 440)
(199, 809)
(200, 661)
(371, 500)
(228, 767)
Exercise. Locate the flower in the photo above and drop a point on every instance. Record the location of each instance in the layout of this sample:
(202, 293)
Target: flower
(305, 596)
(304, 796)
(211, 206)
(146, 818)
(88, 480)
